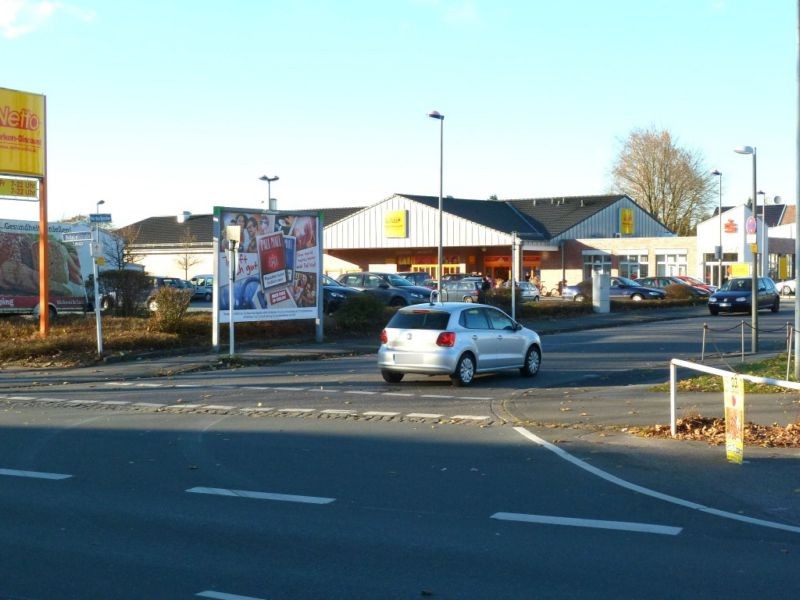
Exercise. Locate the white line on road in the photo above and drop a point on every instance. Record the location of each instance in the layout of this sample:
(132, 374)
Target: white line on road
(119, 383)
(261, 495)
(474, 398)
(149, 385)
(185, 406)
(470, 417)
(364, 393)
(186, 385)
(149, 405)
(288, 389)
(115, 402)
(648, 492)
(377, 413)
(593, 523)
(322, 390)
(339, 411)
(34, 474)
(300, 410)
(224, 596)
(435, 396)
(218, 407)
(404, 395)
(21, 398)
(424, 416)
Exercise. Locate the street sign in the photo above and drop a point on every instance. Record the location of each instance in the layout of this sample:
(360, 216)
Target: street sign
(100, 218)
(751, 225)
(77, 236)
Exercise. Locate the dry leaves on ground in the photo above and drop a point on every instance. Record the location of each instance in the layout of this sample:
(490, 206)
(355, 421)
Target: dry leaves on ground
(712, 431)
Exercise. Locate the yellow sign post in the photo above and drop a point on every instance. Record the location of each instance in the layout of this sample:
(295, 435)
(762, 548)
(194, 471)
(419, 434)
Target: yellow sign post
(734, 418)
(23, 151)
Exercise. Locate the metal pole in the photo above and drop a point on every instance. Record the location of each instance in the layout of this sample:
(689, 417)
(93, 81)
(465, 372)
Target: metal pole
(513, 275)
(231, 275)
(797, 208)
(441, 184)
(754, 278)
(719, 275)
(97, 318)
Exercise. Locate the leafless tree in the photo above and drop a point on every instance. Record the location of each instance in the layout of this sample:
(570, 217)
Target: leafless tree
(188, 258)
(668, 181)
(118, 247)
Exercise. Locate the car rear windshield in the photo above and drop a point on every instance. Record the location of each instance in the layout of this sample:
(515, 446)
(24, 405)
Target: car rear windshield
(420, 319)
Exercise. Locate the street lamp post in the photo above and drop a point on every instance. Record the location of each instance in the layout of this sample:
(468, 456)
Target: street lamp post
(436, 115)
(764, 245)
(269, 181)
(718, 174)
(233, 234)
(96, 274)
(754, 275)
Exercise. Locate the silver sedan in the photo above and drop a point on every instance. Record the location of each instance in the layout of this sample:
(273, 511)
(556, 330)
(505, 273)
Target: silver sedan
(458, 339)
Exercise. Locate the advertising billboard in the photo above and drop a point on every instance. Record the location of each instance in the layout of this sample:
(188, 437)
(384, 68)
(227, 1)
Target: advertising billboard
(22, 133)
(277, 267)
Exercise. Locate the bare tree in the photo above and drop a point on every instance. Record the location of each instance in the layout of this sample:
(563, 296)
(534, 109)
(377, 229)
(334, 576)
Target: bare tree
(118, 247)
(668, 181)
(188, 258)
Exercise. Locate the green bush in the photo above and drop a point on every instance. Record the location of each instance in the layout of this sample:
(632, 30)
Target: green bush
(678, 291)
(361, 314)
(129, 287)
(170, 305)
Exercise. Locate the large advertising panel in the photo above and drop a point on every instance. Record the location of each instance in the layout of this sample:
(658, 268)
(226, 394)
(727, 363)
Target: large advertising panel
(278, 265)
(22, 133)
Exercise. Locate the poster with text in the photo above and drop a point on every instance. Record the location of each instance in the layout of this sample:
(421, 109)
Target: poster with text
(734, 418)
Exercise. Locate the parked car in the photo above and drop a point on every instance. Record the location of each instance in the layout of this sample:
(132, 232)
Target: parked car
(203, 287)
(157, 282)
(663, 283)
(528, 291)
(461, 290)
(786, 287)
(416, 277)
(458, 339)
(697, 283)
(736, 295)
(620, 287)
(334, 294)
(389, 288)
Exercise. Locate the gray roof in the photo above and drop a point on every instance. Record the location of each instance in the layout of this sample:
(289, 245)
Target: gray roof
(531, 218)
(166, 231)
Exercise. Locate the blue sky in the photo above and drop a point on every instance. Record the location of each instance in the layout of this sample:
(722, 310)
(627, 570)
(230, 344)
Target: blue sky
(161, 107)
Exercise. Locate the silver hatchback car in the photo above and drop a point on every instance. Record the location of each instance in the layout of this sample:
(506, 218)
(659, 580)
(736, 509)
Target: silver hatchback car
(458, 339)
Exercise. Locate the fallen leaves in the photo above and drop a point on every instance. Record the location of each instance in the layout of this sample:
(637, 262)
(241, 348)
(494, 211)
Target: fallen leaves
(712, 431)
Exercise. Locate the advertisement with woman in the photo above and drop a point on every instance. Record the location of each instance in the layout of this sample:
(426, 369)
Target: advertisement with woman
(277, 265)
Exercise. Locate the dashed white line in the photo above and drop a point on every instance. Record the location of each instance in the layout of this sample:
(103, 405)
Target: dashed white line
(288, 389)
(225, 596)
(593, 523)
(261, 495)
(424, 416)
(47, 400)
(22, 398)
(115, 402)
(404, 395)
(186, 406)
(338, 411)
(79, 402)
(360, 393)
(186, 385)
(474, 398)
(435, 396)
(377, 413)
(149, 405)
(470, 417)
(218, 407)
(301, 410)
(150, 385)
(33, 474)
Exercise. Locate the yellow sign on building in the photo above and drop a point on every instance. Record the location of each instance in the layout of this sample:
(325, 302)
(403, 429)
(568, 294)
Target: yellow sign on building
(22, 133)
(395, 224)
(626, 224)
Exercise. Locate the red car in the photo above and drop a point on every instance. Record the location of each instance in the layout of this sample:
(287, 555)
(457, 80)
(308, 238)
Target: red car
(693, 281)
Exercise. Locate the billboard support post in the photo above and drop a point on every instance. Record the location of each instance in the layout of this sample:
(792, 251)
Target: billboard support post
(44, 262)
(233, 233)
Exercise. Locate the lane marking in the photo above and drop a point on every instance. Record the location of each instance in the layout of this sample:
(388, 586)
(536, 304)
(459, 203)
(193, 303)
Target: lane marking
(189, 406)
(115, 402)
(560, 452)
(424, 416)
(33, 474)
(436, 396)
(261, 495)
(149, 405)
(300, 410)
(377, 413)
(77, 402)
(592, 523)
(339, 411)
(48, 400)
(224, 596)
(150, 385)
(365, 393)
(470, 417)
(22, 398)
(289, 389)
(404, 395)
(474, 398)
(186, 385)
(258, 409)
(218, 407)
(323, 390)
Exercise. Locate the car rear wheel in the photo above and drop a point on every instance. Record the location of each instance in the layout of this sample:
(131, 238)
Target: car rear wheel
(465, 371)
(533, 360)
(207, 297)
(397, 303)
(391, 376)
(786, 290)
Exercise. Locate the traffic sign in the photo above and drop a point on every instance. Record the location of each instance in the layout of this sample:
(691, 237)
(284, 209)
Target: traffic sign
(100, 218)
(751, 225)
(77, 236)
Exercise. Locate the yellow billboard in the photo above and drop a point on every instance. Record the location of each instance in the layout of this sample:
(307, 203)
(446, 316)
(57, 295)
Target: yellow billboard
(626, 223)
(22, 133)
(395, 224)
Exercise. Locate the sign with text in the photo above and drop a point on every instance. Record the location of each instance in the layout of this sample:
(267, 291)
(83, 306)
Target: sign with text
(734, 418)
(13, 188)
(77, 236)
(22, 133)
(100, 218)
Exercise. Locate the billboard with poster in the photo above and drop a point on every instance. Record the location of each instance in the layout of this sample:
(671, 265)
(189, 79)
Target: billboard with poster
(277, 268)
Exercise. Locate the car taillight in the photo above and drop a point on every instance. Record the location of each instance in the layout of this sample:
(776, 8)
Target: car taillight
(384, 337)
(446, 339)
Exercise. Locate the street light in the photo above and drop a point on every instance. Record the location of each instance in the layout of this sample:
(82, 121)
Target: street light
(269, 181)
(96, 275)
(718, 173)
(754, 274)
(436, 115)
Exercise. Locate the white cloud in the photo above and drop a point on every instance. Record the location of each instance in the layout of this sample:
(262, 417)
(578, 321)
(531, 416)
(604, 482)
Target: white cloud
(21, 17)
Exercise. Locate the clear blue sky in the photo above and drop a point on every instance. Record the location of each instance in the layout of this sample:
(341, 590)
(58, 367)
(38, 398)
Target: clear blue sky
(163, 106)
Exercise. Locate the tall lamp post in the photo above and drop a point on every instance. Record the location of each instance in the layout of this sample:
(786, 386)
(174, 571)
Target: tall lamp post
(269, 181)
(754, 275)
(96, 275)
(436, 115)
(718, 174)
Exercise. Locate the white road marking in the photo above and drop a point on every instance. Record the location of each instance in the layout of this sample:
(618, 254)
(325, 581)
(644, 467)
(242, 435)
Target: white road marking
(33, 474)
(149, 405)
(338, 411)
(397, 394)
(424, 416)
(593, 523)
(150, 385)
(218, 407)
(119, 383)
(186, 385)
(364, 393)
(323, 390)
(258, 409)
(474, 398)
(115, 402)
(288, 389)
(434, 396)
(256, 387)
(189, 406)
(648, 492)
(376, 413)
(261, 495)
(22, 398)
(470, 417)
(224, 596)
(302, 410)
(48, 400)
(78, 402)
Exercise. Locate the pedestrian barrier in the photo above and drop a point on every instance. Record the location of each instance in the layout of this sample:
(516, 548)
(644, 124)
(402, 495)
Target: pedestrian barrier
(673, 383)
(742, 325)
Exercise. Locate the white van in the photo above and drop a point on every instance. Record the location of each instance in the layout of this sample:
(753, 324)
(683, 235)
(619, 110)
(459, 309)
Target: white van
(203, 286)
